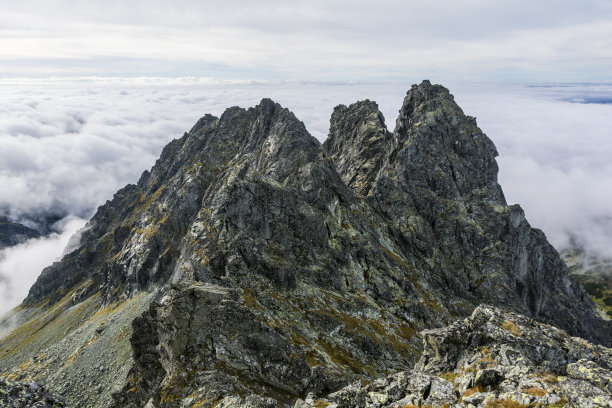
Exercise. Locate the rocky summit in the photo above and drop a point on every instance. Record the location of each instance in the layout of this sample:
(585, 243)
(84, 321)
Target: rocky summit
(255, 264)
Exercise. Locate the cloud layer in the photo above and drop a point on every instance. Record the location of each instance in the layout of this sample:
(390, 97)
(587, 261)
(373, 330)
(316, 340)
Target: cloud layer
(20, 265)
(67, 146)
(314, 39)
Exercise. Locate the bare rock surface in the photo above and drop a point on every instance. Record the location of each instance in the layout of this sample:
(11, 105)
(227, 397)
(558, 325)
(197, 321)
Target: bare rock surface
(491, 359)
(27, 395)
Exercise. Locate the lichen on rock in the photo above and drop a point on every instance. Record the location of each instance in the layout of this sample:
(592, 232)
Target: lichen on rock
(474, 363)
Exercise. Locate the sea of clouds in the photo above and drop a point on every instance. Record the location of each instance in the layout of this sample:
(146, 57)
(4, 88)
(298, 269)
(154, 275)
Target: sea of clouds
(66, 145)
(21, 264)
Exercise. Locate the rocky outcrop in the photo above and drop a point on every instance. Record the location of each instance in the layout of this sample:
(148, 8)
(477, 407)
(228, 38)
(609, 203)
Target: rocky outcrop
(22, 395)
(216, 347)
(12, 233)
(252, 261)
(491, 359)
(435, 181)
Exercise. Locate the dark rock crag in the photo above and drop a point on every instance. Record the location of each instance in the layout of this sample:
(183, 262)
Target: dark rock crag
(252, 261)
(491, 359)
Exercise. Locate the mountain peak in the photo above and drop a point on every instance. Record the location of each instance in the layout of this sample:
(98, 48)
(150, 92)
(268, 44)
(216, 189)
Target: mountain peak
(422, 103)
(357, 143)
(435, 147)
(253, 260)
(442, 149)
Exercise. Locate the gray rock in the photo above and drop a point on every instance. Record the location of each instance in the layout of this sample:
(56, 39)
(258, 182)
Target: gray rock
(441, 392)
(19, 394)
(480, 339)
(352, 396)
(488, 377)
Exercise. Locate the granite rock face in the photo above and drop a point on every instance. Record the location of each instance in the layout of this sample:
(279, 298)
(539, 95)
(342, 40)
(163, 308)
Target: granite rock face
(252, 262)
(491, 359)
(22, 395)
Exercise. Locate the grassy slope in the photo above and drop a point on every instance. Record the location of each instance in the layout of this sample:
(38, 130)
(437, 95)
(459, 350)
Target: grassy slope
(595, 274)
(78, 349)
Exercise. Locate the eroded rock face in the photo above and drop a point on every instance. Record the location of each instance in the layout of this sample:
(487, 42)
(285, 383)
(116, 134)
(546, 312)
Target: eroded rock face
(275, 267)
(435, 181)
(201, 338)
(493, 358)
(22, 395)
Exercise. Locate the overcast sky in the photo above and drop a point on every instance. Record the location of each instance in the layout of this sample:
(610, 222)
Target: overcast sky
(501, 40)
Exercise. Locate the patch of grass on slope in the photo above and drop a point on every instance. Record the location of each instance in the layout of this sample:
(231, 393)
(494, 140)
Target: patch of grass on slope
(595, 275)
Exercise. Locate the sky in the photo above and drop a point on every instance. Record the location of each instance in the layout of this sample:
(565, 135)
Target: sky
(92, 91)
(502, 40)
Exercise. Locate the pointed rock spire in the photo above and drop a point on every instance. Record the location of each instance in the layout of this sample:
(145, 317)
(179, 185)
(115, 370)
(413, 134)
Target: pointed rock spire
(357, 143)
(442, 149)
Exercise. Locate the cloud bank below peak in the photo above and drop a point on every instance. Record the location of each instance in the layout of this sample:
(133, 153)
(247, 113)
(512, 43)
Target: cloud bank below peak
(21, 264)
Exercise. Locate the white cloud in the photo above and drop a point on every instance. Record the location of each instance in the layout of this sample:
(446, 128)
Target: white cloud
(20, 265)
(66, 147)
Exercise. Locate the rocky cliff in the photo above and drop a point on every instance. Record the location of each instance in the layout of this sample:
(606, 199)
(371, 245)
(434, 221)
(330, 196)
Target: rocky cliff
(251, 260)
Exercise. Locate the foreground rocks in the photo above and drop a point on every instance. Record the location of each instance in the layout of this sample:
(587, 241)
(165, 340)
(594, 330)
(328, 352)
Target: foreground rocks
(491, 359)
(26, 395)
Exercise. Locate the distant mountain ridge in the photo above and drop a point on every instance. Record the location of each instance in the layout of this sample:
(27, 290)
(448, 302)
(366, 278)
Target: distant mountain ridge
(251, 260)
(12, 233)
(594, 272)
